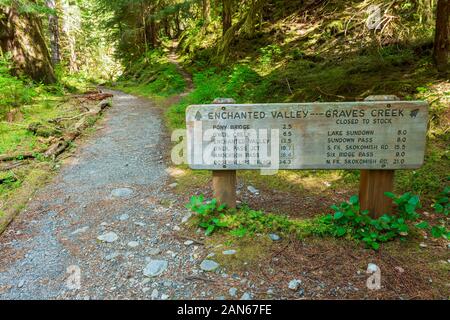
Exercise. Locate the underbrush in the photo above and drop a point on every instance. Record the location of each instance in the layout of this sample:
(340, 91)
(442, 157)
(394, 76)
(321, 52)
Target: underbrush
(32, 117)
(285, 79)
(152, 76)
(348, 220)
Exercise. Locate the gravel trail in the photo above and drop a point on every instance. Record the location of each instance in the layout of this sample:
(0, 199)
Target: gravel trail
(107, 226)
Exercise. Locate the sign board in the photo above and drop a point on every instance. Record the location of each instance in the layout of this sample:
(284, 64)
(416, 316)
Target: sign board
(344, 135)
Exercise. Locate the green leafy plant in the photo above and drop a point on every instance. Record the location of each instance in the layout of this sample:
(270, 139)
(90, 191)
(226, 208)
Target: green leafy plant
(269, 52)
(240, 232)
(210, 213)
(14, 91)
(442, 204)
(349, 220)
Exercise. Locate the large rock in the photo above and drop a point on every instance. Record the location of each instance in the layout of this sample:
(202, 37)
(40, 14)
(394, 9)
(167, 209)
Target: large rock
(209, 265)
(274, 237)
(122, 192)
(133, 244)
(155, 268)
(108, 237)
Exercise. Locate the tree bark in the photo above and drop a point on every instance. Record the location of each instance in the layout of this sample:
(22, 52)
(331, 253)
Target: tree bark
(254, 11)
(227, 14)
(441, 39)
(22, 36)
(206, 12)
(53, 26)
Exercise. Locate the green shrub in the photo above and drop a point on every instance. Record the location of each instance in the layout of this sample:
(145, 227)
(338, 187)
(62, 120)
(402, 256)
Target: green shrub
(210, 214)
(442, 204)
(14, 91)
(153, 75)
(348, 219)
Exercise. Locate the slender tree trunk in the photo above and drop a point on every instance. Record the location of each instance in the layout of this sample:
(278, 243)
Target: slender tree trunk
(254, 11)
(21, 34)
(441, 39)
(177, 24)
(227, 13)
(166, 26)
(71, 20)
(206, 11)
(53, 25)
(144, 28)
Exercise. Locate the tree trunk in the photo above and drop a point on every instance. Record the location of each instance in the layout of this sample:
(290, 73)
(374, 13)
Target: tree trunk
(206, 12)
(254, 11)
(441, 39)
(53, 26)
(177, 24)
(227, 13)
(166, 26)
(21, 34)
(69, 35)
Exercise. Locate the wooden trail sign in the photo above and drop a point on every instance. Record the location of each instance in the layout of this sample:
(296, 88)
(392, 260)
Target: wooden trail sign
(345, 135)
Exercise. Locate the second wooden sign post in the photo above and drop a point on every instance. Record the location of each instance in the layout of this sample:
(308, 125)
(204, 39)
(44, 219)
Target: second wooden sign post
(374, 183)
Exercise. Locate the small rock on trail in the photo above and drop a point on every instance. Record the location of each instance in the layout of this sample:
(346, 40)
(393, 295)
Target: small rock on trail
(294, 284)
(108, 237)
(122, 192)
(155, 268)
(209, 265)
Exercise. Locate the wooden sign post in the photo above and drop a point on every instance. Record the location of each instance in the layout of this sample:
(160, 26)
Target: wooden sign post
(376, 137)
(374, 183)
(224, 181)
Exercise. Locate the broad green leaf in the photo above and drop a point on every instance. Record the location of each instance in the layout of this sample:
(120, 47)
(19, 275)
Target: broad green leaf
(340, 231)
(390, 195)
(422, 225)
(375, 245)
(414, 200)
(438, 207)
(353, 199)
(437, 232)
(338, 215)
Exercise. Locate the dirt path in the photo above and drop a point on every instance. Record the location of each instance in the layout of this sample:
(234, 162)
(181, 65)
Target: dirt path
(115, 186)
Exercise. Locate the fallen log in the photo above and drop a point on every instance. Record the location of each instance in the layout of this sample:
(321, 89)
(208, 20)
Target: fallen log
(18, 155)
(96, 96)
(102, 105)
(57, 147)
(13, 165)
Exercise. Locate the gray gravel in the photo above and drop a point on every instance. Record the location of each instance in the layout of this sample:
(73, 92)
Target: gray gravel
(117, 184)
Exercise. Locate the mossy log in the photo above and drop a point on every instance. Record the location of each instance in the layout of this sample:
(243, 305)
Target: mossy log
(63, 142)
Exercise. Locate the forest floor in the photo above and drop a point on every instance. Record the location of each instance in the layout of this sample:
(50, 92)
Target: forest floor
(116, 214)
